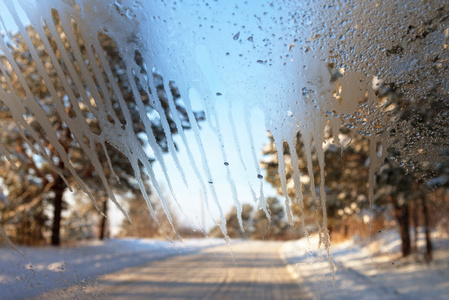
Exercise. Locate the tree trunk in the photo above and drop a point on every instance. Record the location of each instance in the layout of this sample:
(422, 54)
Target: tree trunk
(103, 219)
(346, 230)
(402, 216)
(415, 211)
(429, 248)
(58, 190)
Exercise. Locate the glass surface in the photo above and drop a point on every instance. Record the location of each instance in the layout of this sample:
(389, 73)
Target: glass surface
(320, 120)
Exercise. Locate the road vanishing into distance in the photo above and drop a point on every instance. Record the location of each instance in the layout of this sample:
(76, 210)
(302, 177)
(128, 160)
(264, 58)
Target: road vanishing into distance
(246, 270)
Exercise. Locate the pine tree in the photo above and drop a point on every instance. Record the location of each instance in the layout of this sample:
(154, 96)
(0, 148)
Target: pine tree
(27, 145)
(270, 229)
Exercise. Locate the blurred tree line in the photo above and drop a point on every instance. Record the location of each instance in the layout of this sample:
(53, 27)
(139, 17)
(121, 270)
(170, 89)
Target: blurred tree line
(33, 192)
(408, 112)
(411, 186)
(256, 223)
(403, 117)
(412, 199)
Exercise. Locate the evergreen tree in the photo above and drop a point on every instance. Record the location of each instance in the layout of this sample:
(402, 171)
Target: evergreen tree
(346, 178)
(233, 227)
(273, 229)
(26, 144)
(142, 224)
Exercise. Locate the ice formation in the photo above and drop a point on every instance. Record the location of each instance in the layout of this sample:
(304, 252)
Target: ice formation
(308, 65)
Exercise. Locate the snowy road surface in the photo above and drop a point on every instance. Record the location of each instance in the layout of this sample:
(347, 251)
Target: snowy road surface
(254, 270)
(206, 269)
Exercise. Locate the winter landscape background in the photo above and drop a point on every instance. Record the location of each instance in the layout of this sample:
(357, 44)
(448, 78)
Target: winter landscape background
(302, 145)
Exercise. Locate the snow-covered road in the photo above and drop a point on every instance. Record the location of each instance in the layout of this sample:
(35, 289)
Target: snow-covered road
(246, 270)
(205, 268)
(42, 269)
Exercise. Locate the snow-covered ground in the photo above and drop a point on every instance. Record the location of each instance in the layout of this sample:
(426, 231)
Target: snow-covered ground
(362, 272)
(47, 268)
(376, 271)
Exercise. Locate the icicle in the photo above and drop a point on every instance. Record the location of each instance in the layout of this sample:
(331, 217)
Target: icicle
(151, 136)
(6, 29)
(108, 159)
(282, 176)
(262, 201)
(133, 149)
(5, 152)
(325, 231)
(168, 134)
(238, 147)
(307, 139)
(229, 178)
(205, 164)
(147, 123)
(35, 107)
(80, 120)
(297, 183)
(180, 129)
(296, 174)
(192, 162)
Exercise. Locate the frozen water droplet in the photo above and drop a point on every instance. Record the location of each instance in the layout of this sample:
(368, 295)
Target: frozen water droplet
(289, 113)
(138, 4)
(129, 14)
(307, 93)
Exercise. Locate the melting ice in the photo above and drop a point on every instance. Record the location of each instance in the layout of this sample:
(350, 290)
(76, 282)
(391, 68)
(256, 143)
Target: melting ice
(308, 66)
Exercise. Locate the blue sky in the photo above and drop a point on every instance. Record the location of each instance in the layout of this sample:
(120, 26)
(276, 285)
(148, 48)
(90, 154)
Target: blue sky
(243, 177)
(231, 182)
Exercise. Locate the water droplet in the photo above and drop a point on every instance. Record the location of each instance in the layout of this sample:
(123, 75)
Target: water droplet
(226, 163)
(129, 14)
(307, 93)
(218, 94)
(236, 36)
(259, 176)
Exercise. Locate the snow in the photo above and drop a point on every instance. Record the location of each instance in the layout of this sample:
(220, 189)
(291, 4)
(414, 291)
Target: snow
(280, 79)
(242, 61)
(374, 271)
(47, 268)
(255, 60)
(362, 272)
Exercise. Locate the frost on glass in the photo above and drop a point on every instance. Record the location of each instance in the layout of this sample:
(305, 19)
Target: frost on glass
(311, 67)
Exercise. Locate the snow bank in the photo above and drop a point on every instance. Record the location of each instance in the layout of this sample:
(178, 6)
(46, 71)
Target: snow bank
(376, 271)
(46, 268)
